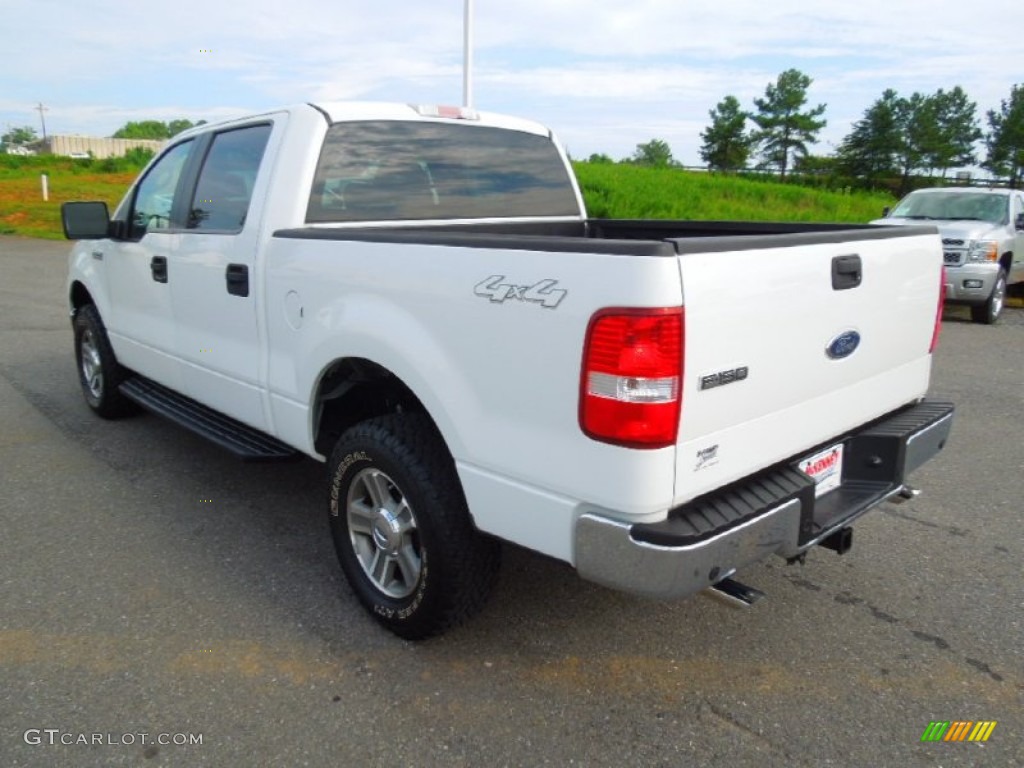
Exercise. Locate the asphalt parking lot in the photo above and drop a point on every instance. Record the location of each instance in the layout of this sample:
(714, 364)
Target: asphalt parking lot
(151, 584)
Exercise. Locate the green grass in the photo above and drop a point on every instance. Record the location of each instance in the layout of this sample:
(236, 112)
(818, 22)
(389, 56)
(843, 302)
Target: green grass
(22, 208)
(611, 191)
(634, 192)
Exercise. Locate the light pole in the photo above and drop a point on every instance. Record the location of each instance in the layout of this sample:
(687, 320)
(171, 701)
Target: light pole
(467, 55)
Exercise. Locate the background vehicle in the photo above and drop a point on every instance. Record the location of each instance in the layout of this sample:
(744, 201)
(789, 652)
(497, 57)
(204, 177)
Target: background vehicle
(982, 239)
(416, 296)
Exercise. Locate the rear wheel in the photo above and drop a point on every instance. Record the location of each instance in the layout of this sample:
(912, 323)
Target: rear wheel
(989, 312)
(98, 370)
(402, 530)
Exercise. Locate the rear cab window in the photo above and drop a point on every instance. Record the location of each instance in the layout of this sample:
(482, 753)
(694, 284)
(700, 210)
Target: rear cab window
(409, 170)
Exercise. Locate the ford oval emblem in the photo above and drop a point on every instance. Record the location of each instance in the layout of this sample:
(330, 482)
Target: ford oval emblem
(843, 345)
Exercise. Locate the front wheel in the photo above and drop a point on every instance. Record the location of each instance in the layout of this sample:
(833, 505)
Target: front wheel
(989, 312)
(98, 370)
(401, 528)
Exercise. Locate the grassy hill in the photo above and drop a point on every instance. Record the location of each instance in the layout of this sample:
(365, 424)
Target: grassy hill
(634, 192)
(611, 191)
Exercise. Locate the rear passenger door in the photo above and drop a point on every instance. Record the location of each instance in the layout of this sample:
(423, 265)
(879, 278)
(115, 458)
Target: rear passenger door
(216, 289)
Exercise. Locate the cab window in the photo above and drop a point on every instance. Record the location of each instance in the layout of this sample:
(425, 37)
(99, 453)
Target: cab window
(154, 199)
(224, 190)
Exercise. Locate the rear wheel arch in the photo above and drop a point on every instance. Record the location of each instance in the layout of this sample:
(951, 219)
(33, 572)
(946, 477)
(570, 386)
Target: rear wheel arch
(354, 389)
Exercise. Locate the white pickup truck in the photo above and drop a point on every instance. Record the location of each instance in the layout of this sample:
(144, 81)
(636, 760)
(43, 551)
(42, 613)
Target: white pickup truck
(416, 296)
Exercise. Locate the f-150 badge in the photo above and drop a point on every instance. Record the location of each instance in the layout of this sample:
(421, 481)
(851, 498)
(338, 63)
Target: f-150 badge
(544, 293)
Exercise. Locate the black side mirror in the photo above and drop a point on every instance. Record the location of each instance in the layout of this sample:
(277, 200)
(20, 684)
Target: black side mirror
(1019, 224)
(885, 211)
(85, 220)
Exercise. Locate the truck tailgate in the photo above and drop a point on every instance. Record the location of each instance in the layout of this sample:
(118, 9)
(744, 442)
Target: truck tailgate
(785, 349)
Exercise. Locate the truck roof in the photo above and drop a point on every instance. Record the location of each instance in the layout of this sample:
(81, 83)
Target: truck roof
(343, 111)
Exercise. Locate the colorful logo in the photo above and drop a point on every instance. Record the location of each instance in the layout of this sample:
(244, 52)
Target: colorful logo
(958, 730)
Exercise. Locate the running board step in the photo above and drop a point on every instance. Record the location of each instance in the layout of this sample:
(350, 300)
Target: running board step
(245, 442)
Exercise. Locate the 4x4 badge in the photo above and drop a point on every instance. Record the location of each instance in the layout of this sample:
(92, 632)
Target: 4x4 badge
(543, 292)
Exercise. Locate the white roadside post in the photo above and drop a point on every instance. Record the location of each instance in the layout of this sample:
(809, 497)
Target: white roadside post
(46, 187)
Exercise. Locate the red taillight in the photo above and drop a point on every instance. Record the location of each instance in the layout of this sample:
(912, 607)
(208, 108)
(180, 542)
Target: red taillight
(631, 381)
(938, 312)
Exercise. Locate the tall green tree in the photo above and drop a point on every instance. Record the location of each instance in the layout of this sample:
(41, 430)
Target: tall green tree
(915, 117)
(727, 143)
(956, 130)
(785, 128)
(655, 152)
(871, 149)
(1005, 139)
(25, 134)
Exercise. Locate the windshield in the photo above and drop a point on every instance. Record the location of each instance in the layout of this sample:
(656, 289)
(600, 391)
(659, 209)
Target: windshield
(389, 171)
(961, 206)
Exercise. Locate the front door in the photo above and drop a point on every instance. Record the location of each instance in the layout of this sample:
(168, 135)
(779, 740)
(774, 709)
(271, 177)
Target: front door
(139, 272)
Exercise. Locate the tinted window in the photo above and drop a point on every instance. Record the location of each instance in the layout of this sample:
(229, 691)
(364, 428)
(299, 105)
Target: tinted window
(155, 196)
(222, 196)
(409, 170)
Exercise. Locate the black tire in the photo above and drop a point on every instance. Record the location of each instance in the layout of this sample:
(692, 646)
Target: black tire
(99, 373)
(989, 312)
(402, 530)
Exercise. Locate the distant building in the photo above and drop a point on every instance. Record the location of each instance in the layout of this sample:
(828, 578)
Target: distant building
(89, 146)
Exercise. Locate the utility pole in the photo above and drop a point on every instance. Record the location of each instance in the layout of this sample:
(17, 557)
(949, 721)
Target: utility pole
(467, 55)
(40, 109)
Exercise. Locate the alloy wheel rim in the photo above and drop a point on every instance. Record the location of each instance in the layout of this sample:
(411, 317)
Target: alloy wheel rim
(92, 366)
(997, 298)
(384, 534)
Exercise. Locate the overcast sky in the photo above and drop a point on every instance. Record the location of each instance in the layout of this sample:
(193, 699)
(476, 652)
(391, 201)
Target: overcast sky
(604, 74)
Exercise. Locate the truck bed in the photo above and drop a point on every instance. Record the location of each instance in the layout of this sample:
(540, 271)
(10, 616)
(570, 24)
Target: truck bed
(636, 237)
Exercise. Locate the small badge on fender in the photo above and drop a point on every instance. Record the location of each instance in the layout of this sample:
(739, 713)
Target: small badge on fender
(721, 378)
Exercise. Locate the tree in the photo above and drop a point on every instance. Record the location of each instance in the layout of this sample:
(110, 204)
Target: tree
(915, 117)
(1005, 139)
(871, 149)
(174, 127)
(726, 142)
(785, 131)
(154, 129)
(26, 134)
(955, 130)
(600, 159)
(145, 129)
(654, 153)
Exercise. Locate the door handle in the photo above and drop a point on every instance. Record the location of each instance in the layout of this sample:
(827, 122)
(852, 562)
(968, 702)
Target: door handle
(158, 266)
(237, 278)
(847, 272)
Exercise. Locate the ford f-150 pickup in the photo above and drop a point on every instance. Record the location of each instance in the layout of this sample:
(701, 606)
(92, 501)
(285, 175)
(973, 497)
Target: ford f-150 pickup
(416, 296)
